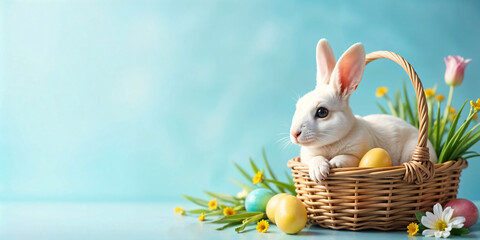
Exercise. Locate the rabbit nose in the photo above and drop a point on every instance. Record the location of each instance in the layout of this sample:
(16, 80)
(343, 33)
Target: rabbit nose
(296, 134)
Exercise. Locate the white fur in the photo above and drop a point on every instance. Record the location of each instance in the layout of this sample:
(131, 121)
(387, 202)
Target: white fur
(341, 139)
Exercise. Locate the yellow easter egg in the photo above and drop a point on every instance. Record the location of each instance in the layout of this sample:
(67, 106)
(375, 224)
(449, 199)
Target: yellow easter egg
(291, 215)
(273, 204)
(376, 157)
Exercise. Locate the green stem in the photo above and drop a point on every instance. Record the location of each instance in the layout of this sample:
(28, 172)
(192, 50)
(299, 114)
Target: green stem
(390, 105)
(446, 111)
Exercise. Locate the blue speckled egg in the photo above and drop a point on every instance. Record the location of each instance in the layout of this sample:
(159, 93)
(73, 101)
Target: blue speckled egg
(257, 200)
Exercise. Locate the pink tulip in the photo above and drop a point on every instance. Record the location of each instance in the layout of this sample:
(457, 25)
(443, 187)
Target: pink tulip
(455, 69)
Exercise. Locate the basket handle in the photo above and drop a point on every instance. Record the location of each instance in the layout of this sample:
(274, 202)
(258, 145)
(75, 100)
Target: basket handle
(419, 169)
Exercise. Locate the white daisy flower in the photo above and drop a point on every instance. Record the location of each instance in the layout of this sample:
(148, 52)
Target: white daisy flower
(440, 222)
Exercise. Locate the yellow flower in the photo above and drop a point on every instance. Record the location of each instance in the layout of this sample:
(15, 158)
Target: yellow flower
(412, 228)
(475, 117)
(201, 217)
(429, 92)
(262, 226)
(179, 210)
(475, 105)
(228, 211)
(439, 97)
(212, 204)
(381, 91)
(452, 110)
(258, 178)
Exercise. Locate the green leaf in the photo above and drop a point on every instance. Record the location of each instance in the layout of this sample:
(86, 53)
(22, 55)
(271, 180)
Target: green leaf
(245, 174)
(270, 172)
(215, 212)
(197, 201)
(249, 220)
(408, 106)
(290, 188)
(421, 228)
(448, 146)
(458, 141)
(471, 156)
(223, 197)
(393, 111)
(438, 137)
(400, 106)
(236, 218)
(290, 179)
(459, 231)
(198, 211)
(220, 211)
(455, 122)
(241, 185)
(265, 185)
(383, 110)
(430, 117)
(419, 216)
(254, 167)
(267, 165)
(417, 119)
(232, 224)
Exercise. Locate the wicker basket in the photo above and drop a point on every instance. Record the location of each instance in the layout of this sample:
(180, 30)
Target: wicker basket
(380, 198)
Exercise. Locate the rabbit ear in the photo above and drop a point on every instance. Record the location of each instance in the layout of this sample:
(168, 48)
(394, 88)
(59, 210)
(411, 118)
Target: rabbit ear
(325, 61)
(349, 70)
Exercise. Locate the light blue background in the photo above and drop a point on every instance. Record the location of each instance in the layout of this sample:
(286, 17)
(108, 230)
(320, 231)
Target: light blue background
(144, 100)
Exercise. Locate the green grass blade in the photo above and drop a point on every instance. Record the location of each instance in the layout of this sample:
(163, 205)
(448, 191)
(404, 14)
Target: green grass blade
(393, 111)
(265, 185)
(453, 127)
(289, 187)
(447, 147)
(289, 177)
(430, 117)
(382, 109)
(236, 218)
(198, 201)
(223, 197)
(417, 119)
(254, 167)
(198, 211)
(438, 137)
(408, 106)
(466, 144)
(249, 220)
(457, 140)
(215, 212)
(471, 156)
(245, 174)
(220, 211)
(241, 185)
(269, 170)
(399, 105)
(267, 165)
(232, 224)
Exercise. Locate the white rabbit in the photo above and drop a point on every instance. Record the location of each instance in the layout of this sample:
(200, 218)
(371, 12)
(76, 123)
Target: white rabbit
(329, 134)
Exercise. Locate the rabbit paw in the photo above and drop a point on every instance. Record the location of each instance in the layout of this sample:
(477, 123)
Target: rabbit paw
(342, 161)
(319, 169)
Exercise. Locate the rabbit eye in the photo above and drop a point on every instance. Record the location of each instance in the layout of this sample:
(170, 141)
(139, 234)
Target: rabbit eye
(321, 112)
